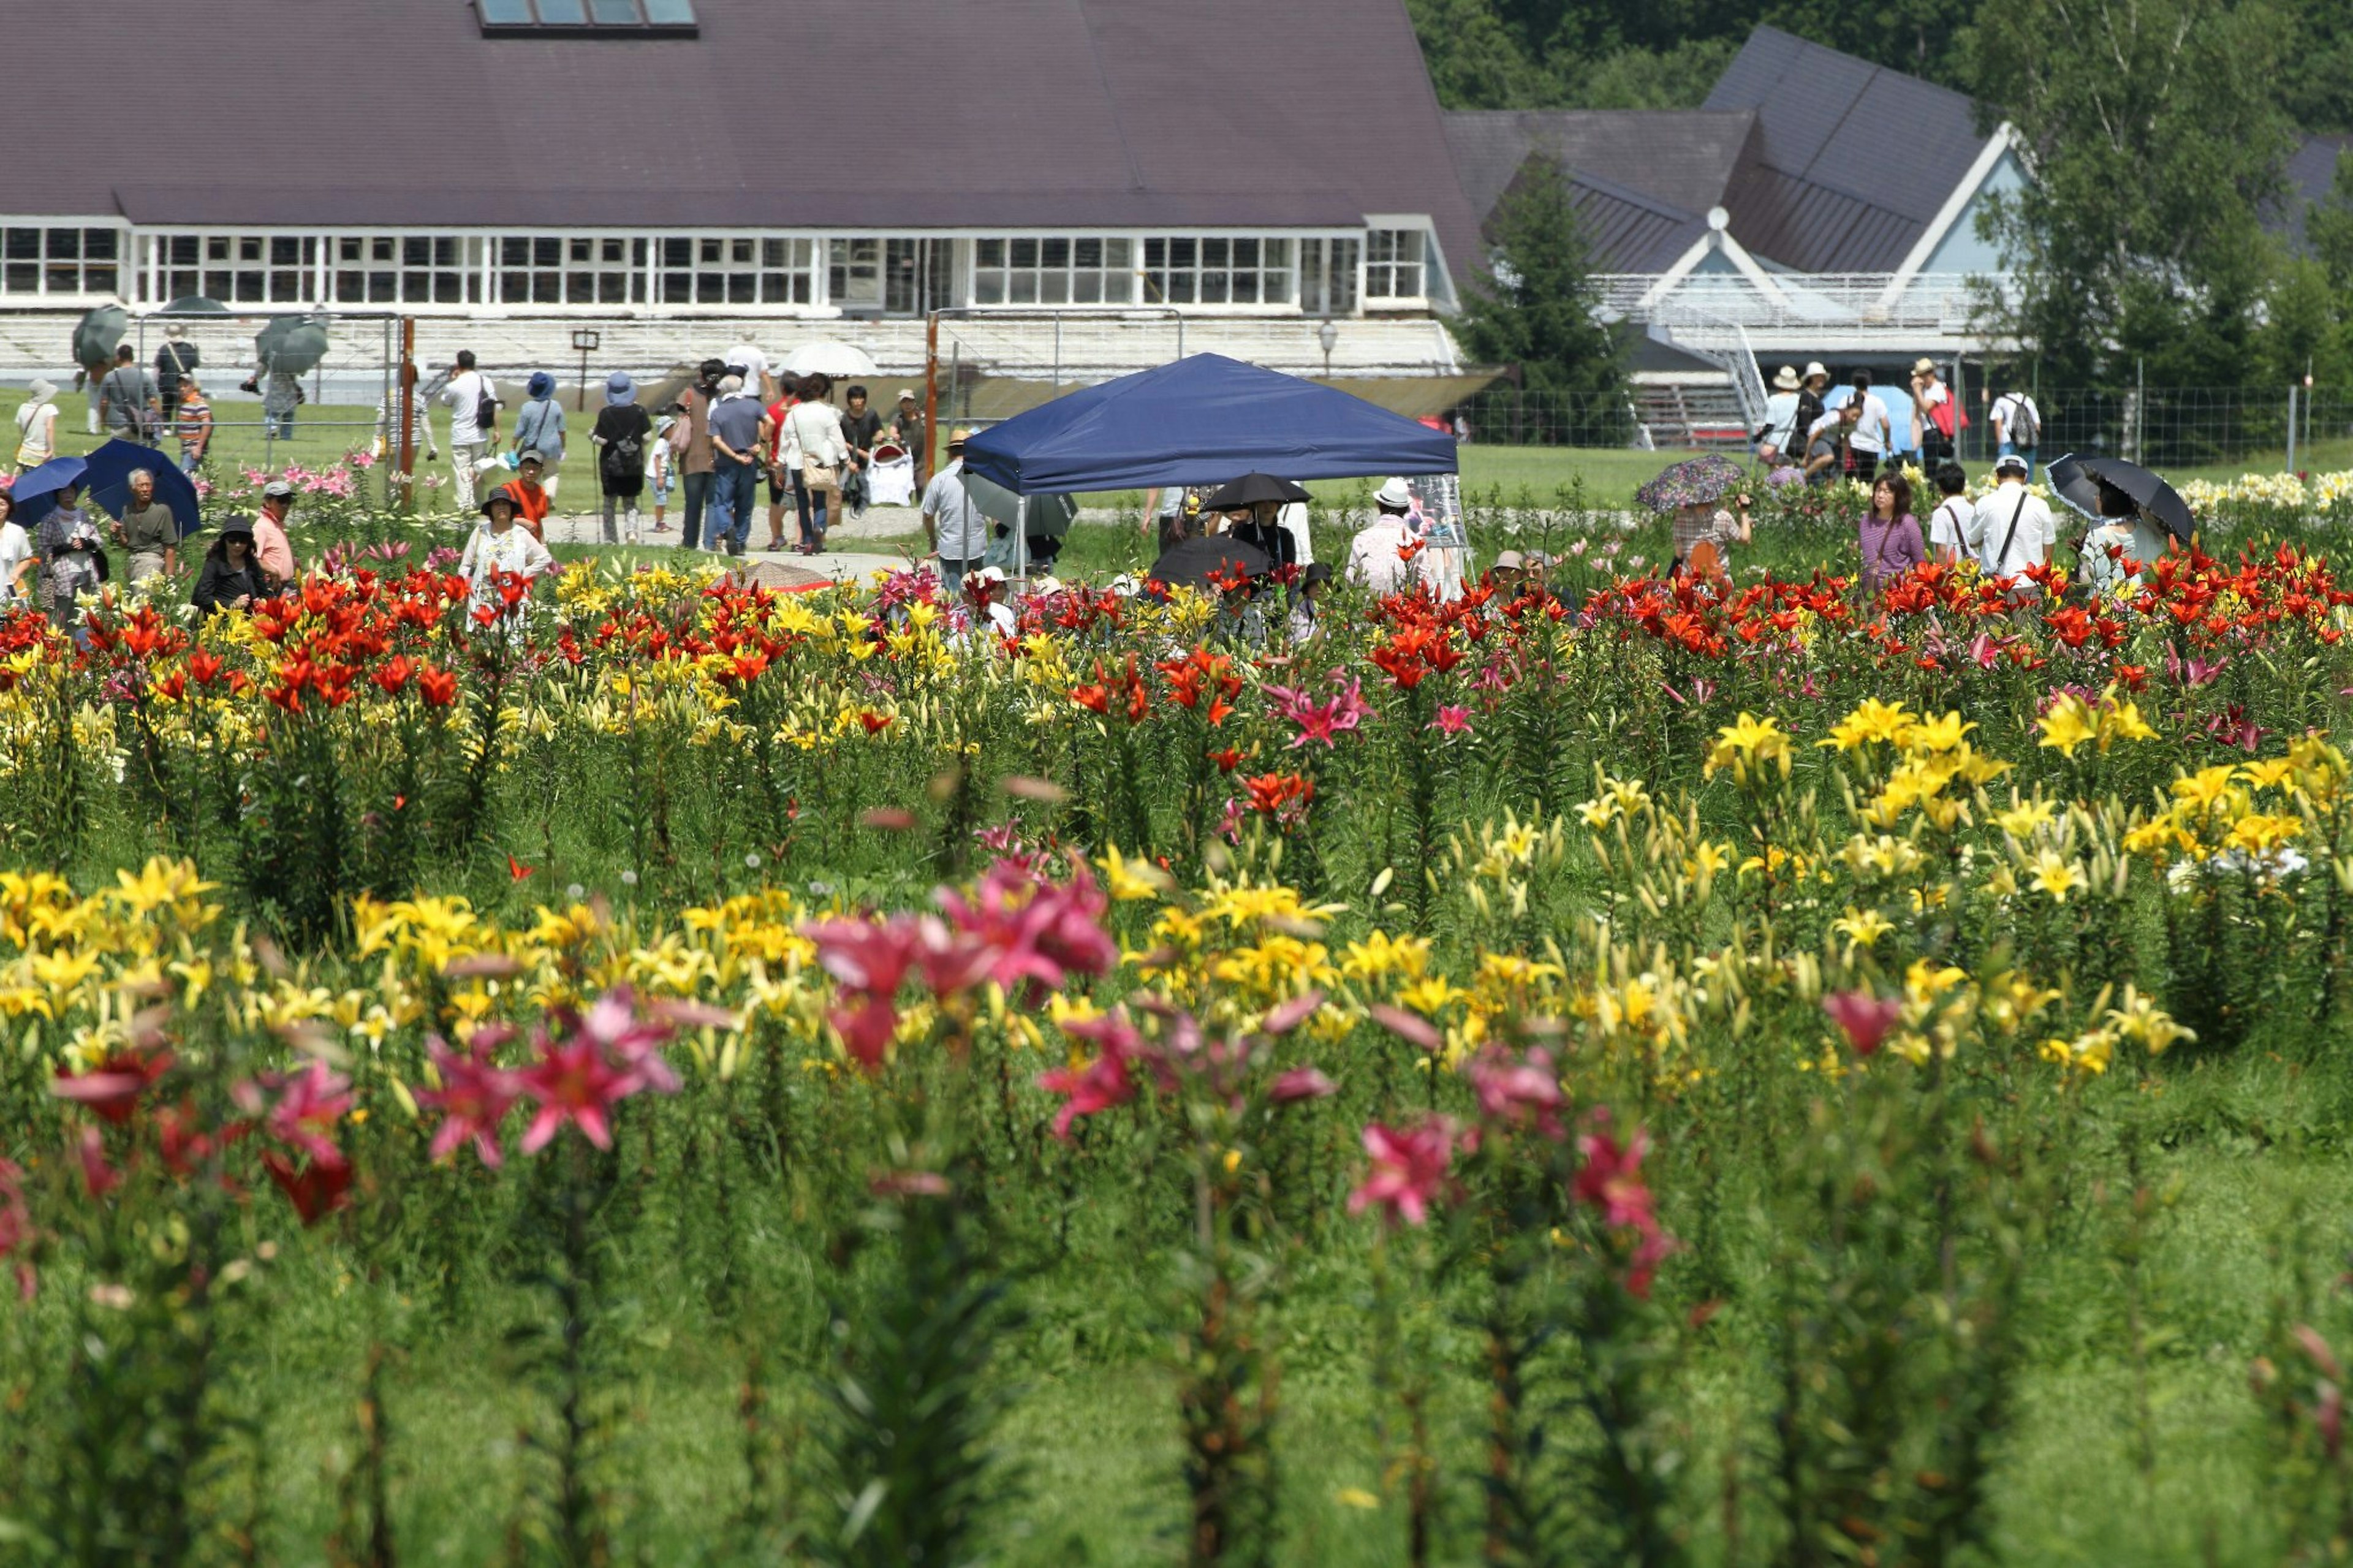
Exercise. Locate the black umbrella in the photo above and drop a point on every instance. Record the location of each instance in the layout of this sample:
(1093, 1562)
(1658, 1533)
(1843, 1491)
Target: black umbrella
(1253, 489)
(97, 332)
(291, 343)
(1194, 562)
(2109, 487)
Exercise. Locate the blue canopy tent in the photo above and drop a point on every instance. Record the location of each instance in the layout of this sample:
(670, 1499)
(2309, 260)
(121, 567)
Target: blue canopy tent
(1199, 421)
(104, 477)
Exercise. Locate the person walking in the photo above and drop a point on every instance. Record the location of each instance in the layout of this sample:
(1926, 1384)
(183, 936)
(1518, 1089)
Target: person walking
(273, 552)
(1774, 438)
(739, 433)
(747, 361)
(696, 458)
(280, 399)
(18, 560)
(37, 426)
(192, 425)
(1948, 525)
(1940, 419)
(532, 498)
(128, 404)
(148, 530)
(539, 427)
(175, 362)
(473, 405)
(783, 481)
(2017, 427)
(1811, 387)
(1871, 437)
(861, 430)
(230, 578)
(956, 531)
(662, 467)
(500, 545)
(907, 425)
(420, 427)
(1888, 534)
(1376, 555)
(816, 430)
(73, 557)
(621, 435)
(2011, 529)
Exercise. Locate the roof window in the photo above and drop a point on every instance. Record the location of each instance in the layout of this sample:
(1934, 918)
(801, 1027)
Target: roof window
(587, 19)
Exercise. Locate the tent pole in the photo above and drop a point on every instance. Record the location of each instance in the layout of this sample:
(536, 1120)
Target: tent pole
(1021, 542)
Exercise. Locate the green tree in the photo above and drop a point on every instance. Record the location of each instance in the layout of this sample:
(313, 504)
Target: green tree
(1475, 62)
(1534, 307)
(2155, 138)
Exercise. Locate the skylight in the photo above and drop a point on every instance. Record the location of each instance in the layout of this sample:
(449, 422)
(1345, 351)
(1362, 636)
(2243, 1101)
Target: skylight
(587, 19)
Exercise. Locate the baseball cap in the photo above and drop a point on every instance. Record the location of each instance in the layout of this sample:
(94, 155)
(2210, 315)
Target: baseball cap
(2013, 463)
(906, 395)
(278, 489)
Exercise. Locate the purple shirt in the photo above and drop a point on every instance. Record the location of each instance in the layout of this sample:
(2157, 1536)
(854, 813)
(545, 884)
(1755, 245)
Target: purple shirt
(1889, 549)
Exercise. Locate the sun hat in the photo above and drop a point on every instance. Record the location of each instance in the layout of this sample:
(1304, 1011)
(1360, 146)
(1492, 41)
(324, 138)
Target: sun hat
(2013, 463)
(958, 436)
(1785, 378)
(498, 497)
(236, 528)
(531, 455)
(278, 489)
(619, 390)
(1395, 495)
(1924, 365)
(1510, 561)
(41, 389)
(662, 424)
(541, 384)
(176, 330)
(1814, 368)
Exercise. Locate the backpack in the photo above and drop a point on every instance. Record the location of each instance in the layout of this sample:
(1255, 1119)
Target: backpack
(486, 412)
(2021, 429)
(624, 458)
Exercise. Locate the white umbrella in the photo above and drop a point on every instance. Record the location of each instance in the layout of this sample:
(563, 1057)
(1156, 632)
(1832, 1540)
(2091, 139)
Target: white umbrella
(825, 358)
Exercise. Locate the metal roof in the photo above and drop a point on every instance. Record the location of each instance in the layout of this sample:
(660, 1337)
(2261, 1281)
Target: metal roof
(825, 113)
(1856, 160)
(1684, 158)
(2310, 177)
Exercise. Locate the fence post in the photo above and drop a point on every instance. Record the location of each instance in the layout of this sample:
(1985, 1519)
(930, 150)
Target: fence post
(2291, 426)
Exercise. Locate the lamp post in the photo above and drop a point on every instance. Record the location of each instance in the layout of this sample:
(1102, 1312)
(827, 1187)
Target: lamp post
(1328, 334)
(586, 339)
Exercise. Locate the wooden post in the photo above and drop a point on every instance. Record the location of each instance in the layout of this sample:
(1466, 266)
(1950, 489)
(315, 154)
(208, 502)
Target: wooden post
(408, 410)
(931, 399)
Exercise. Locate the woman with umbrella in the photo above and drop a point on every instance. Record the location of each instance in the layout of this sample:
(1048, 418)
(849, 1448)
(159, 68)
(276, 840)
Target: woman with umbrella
(1704, 529)
(2133, 515)
(229, 579)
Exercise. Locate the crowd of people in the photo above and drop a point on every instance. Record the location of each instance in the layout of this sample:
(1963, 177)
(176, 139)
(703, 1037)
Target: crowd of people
(737, 427)
(1820, 434)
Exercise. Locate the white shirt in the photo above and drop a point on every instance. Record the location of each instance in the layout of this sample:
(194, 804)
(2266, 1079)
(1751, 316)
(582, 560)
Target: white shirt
(466, 390)
(15, 549)
(1373, 556)
(2007, 407)
(1780, 420)
(962, 528)
(1990, 526)
(39, 443)
(1872, 433)
(815, 429)
(755, 367)
(1948, 525)
(489, 552)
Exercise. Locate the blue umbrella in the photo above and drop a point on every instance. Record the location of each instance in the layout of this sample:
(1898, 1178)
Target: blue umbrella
(105, 474)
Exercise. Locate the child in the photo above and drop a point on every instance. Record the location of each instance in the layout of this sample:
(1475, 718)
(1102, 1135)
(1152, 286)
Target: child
(658, 467)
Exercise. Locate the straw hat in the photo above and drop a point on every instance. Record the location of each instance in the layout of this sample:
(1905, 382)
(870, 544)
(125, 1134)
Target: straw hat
(1396, 494)
(1785, 378)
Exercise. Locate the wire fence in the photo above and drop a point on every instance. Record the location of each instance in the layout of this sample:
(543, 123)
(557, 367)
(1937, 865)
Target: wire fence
(2179, 427)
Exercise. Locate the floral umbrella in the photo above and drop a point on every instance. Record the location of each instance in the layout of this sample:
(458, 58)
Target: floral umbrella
(1695, 482)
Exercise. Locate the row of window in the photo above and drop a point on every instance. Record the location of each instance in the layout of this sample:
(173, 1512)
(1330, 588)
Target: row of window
(893, 277)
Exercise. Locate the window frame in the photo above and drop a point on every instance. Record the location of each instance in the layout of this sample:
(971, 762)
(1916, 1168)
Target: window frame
(51, 273)
(580, 20)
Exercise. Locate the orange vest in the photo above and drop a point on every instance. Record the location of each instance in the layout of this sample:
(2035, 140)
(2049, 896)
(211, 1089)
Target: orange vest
(531, 503)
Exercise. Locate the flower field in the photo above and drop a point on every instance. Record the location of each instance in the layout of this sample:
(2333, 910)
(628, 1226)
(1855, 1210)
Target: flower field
(650, 1071)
